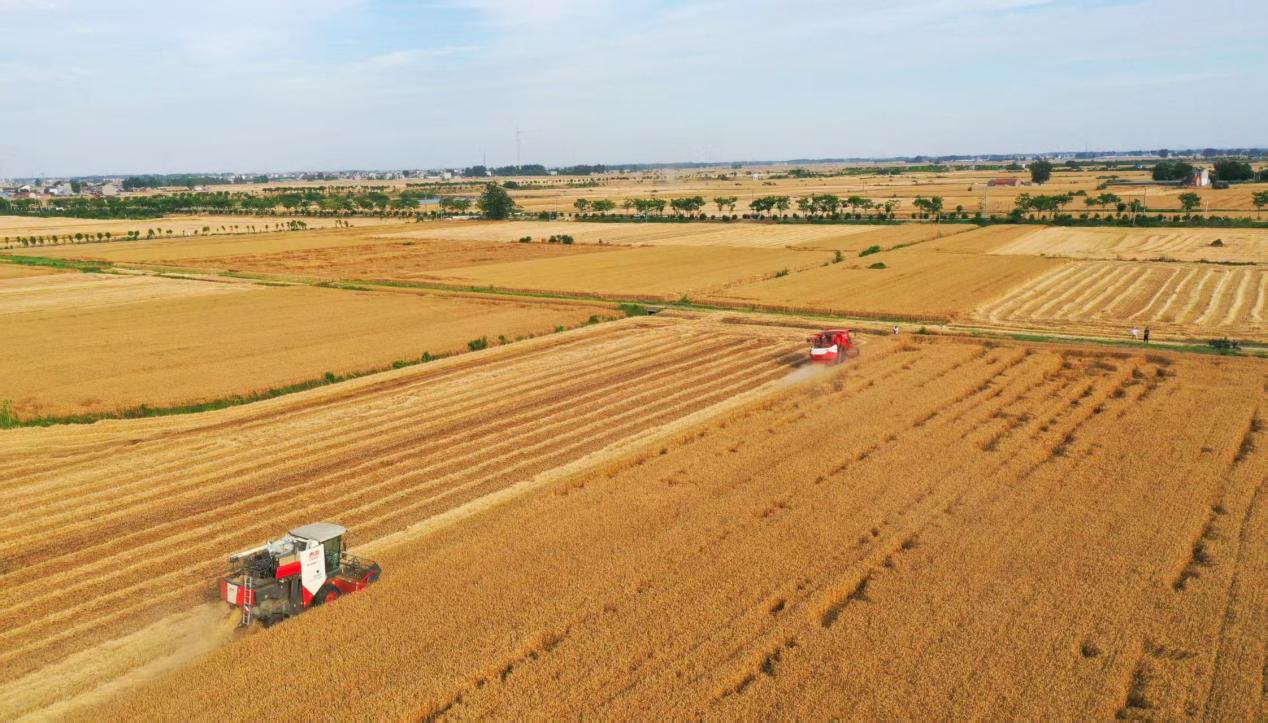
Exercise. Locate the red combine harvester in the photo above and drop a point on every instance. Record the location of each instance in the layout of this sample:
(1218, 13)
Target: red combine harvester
(832, 346)
(305, 568)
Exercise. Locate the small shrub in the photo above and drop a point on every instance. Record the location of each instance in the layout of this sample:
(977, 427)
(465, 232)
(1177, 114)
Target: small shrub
(837, 256)
(922, 330)
(478, 344)
(1218, 243)
(634, 309)
(526, 239)
(594, 319)
(870, 250)
(426, 357)
(8, 418)
(400, 364)
(503, 340)
(878, 265)
(559, 328)
(330, 377)
(782, 273)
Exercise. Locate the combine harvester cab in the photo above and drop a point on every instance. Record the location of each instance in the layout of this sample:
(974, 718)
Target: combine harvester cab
(305, 568)
(832, 346)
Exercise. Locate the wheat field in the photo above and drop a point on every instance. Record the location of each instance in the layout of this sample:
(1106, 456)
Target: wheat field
(914, 284)
(946, 528)
(101, 343)
(1191, 300)
(1190, 244)
(379, 453)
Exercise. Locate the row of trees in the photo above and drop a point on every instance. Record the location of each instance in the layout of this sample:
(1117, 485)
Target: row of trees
(1225, 170)
(827, 205)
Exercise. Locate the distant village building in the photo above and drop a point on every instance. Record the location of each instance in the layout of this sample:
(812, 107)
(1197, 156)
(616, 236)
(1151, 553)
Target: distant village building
(1200, 178)
(108, 190)
(1011, 181)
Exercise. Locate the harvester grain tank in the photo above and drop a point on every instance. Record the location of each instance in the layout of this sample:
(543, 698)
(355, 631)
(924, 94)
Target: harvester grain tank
(832, 346)
(307, 567)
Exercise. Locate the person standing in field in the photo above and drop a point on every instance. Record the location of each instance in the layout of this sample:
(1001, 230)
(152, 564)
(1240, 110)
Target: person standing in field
(895, 330)
(1135, 334)
(1146, 335)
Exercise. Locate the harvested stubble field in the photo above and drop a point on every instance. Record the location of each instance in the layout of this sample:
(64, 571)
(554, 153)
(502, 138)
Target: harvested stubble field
(942, 528)
(19, 271)
(397, 261)
(1173, 299)
(15, 226)
(112, 526)
(179, 251)
(99, 343)
(658, 272)
(742, 235)
(1191, 244)
(914, 284)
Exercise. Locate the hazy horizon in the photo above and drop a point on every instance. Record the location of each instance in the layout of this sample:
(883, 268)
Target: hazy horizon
(150, 87)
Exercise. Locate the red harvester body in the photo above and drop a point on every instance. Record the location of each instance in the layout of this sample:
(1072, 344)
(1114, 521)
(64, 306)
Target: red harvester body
(305, 568)
(832, 346)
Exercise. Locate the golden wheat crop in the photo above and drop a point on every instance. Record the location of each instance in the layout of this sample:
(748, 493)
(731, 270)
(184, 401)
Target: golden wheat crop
(1190, 244)
(110, 527)
(98, 343)
(1109, 297)
(942, 528)
(913, 284)
(659, 272)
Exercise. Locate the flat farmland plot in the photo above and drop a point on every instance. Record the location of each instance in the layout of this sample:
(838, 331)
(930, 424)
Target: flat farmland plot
(1191, 300)
(1190, 244)
(914, 284)
(12, 227)
(398, 261)
(179, 251)
(18, 271)
(97, 343)
(938, 529)
(113, 526)
(660, 272)
(742, 235)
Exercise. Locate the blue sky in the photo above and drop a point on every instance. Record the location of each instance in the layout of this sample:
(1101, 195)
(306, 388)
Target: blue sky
(274, 85)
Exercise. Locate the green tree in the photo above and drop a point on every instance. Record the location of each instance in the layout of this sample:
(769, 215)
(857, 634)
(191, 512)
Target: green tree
(826, 203)
(1171, 171)
(1229, 170)
(931, 206)
(727, 202)
(582, 205)
(1108, 199)
(1040, 171)
(602, 205)
(687, 205)
(495, 203)
(1260, 199)
(1190, 201)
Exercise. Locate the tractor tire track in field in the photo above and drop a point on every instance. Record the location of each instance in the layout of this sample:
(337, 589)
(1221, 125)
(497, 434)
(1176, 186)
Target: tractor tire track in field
(153, 508)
